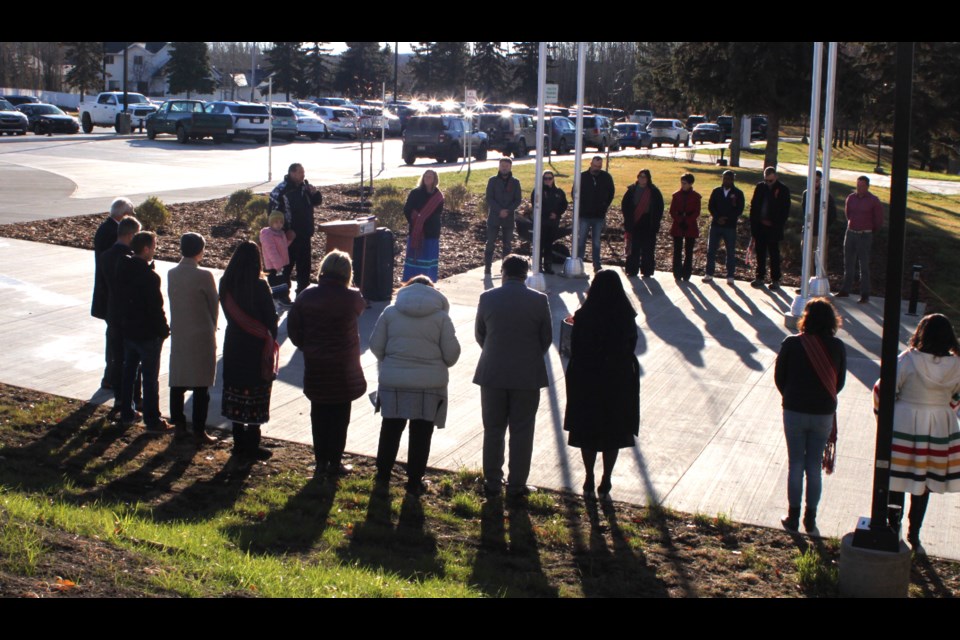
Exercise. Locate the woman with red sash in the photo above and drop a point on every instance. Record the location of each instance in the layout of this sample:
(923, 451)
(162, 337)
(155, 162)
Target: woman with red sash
(249, 349)
(423, 211)
(642, 208)
(811, 369)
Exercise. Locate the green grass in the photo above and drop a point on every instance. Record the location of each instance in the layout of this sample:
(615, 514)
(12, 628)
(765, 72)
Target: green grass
(466, 505)
(21, 545)
(814, 573)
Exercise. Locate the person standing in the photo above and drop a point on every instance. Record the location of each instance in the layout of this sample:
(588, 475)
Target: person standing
(144, 326)
(725, 206)
(810, 371)
(194, 310)
(685, 207)
(415, 343)
(503, 198)
(250, 350)
(274, 243)
(642, 209)
(108, 263)
(296, 198)
(513, 329)
(926, 435)
(809, 251)
(603, 379)
(769, 210)
(552, 209)
(103, 239)
(323, 325)
(596, 194)
(864, 217)
(424, 211)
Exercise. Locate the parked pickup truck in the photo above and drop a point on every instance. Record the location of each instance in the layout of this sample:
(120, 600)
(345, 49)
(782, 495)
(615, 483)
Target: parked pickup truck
(106, 109)
(188, 121)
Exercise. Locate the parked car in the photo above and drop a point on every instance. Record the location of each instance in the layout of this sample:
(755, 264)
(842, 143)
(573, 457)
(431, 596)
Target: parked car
(693, 121)
(309, 124)
(507, 132)
(284, 123)
(16, 101)
(250, 119)
(668, 130)
(47, 118)
(707, 132)
(106, 109)
(560, 133)
(633, 134)
(726, 127)
(758, 127)
(11, 120)
(188, 120)
(340, 122)
(642, 117)
(598, 132)
(441, 137)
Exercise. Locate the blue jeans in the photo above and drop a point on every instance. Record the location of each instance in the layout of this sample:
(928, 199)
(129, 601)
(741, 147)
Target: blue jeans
(729, 237)
(806, 436)
(143, 355)
(596, 227)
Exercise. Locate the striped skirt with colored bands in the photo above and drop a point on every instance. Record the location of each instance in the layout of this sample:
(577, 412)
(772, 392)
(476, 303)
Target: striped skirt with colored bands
(926, 450)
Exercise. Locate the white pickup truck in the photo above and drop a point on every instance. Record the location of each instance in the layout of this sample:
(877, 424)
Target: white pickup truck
(104, 111)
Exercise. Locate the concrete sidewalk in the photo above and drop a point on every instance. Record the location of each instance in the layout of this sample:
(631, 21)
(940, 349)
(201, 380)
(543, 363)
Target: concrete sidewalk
(711, 433)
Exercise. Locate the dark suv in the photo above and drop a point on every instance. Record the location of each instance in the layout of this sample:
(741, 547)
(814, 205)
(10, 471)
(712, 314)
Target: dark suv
(598, 132)
(440, 137)
(508, 133)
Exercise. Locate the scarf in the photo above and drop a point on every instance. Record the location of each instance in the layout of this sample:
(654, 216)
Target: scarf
(270, 357)
(643, 206)
(419, 218)
(822, 365)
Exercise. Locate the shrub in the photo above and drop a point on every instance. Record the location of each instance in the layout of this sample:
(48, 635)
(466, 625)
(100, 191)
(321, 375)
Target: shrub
(389, 212)
(386, 190)
(455, 197)
(256, 207)
(152, 213)
(256, 223)
(237, 202)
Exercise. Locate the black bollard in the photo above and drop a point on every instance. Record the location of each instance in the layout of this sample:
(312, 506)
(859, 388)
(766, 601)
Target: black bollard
(914, 290)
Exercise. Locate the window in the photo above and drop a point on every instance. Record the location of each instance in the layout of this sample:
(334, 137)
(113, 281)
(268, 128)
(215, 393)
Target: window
(138, 61)
(107, 59)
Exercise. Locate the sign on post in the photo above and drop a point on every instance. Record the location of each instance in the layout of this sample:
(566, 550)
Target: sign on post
(470, 98)
(551, 93)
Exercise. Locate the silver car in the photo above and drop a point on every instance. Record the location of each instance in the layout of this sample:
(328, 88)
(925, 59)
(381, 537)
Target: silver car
(668, 130)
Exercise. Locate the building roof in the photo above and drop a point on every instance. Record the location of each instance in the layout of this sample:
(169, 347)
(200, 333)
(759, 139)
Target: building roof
(118, 47)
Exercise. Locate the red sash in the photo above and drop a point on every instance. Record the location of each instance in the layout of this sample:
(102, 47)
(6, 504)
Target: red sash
(270, 357)
(419, 218)
(643, 207)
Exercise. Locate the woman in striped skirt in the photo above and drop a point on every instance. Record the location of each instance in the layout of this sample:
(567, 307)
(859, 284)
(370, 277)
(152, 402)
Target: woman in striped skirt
(926, 434)
(423, 212)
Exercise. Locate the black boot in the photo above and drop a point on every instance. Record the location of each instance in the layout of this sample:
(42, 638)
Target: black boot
(791, 522)
(918, 508)
(810, 520)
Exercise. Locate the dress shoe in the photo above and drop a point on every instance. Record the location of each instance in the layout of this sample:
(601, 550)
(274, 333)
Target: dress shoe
(863, 300)
(160, 428)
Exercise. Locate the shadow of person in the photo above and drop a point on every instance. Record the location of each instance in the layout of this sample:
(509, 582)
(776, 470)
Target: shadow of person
(153, 476)
(924, 574)
(294, 528)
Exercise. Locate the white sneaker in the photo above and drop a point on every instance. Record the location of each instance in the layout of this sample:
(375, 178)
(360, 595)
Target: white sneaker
(708, 278)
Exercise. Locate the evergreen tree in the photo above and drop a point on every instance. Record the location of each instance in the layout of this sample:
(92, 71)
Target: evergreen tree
(286, 60)
(87, 59)
(316, 76)
(363, 68)
(525, 57)
(486, 69)
(189, 68)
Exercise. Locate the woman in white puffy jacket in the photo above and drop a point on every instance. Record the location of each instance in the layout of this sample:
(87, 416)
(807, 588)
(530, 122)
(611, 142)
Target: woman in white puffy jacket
(415, 344)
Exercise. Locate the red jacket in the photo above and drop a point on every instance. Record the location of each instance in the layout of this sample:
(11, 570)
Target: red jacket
(323, 324)
(685, 210)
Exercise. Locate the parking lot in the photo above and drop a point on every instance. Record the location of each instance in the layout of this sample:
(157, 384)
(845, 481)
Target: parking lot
(64, 175)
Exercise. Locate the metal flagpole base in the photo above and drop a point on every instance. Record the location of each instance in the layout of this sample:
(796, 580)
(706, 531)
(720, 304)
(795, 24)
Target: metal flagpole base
(537, 282)
(573, 268)
(818, 287)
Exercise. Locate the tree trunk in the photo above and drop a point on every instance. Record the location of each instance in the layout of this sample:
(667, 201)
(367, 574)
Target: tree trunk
(773, 138)
(735, 141)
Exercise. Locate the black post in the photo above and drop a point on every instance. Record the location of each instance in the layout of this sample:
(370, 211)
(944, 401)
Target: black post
(914, 290)
(880, 536)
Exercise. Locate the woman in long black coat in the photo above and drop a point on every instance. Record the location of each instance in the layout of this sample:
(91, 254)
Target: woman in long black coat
(603, 379)
(552, 210)
(248, 345)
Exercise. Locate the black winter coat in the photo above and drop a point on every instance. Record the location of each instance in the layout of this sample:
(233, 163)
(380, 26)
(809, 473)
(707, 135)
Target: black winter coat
(109, 261)
(242, 352)
(296, 204)
(650, 223)
(555, 202)
(103, 239)
(141, 302)
(596, 194)
(778, 208)
(729, 207)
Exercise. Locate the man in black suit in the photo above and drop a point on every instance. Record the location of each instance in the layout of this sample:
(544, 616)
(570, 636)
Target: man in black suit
(513, 329)
(107, 264)
(769, 210)
(105, 238)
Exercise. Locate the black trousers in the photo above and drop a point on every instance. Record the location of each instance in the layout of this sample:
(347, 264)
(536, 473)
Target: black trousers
(246, 437)
(201, 403)
(683, 257)
(548, 234)
(277, 278)
(115, 367)
(918, 507)
(765, 242)
(301, 253)
(643, 253)
(421, 433)
(329, 424)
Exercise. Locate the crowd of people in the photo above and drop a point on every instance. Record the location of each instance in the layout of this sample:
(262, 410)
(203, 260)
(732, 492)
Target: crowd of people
(415, 343)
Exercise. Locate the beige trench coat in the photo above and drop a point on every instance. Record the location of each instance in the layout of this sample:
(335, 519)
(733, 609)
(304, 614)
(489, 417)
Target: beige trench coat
(194, 309)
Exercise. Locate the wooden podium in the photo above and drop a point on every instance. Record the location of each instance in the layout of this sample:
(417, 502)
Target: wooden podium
(340, 233)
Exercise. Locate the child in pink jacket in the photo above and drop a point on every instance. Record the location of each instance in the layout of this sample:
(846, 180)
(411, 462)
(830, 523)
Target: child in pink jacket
(276, 259)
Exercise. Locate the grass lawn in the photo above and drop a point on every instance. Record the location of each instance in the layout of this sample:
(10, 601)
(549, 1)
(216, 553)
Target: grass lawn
(88, 508)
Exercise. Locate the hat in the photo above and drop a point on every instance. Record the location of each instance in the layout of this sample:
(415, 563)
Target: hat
(191, 244)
